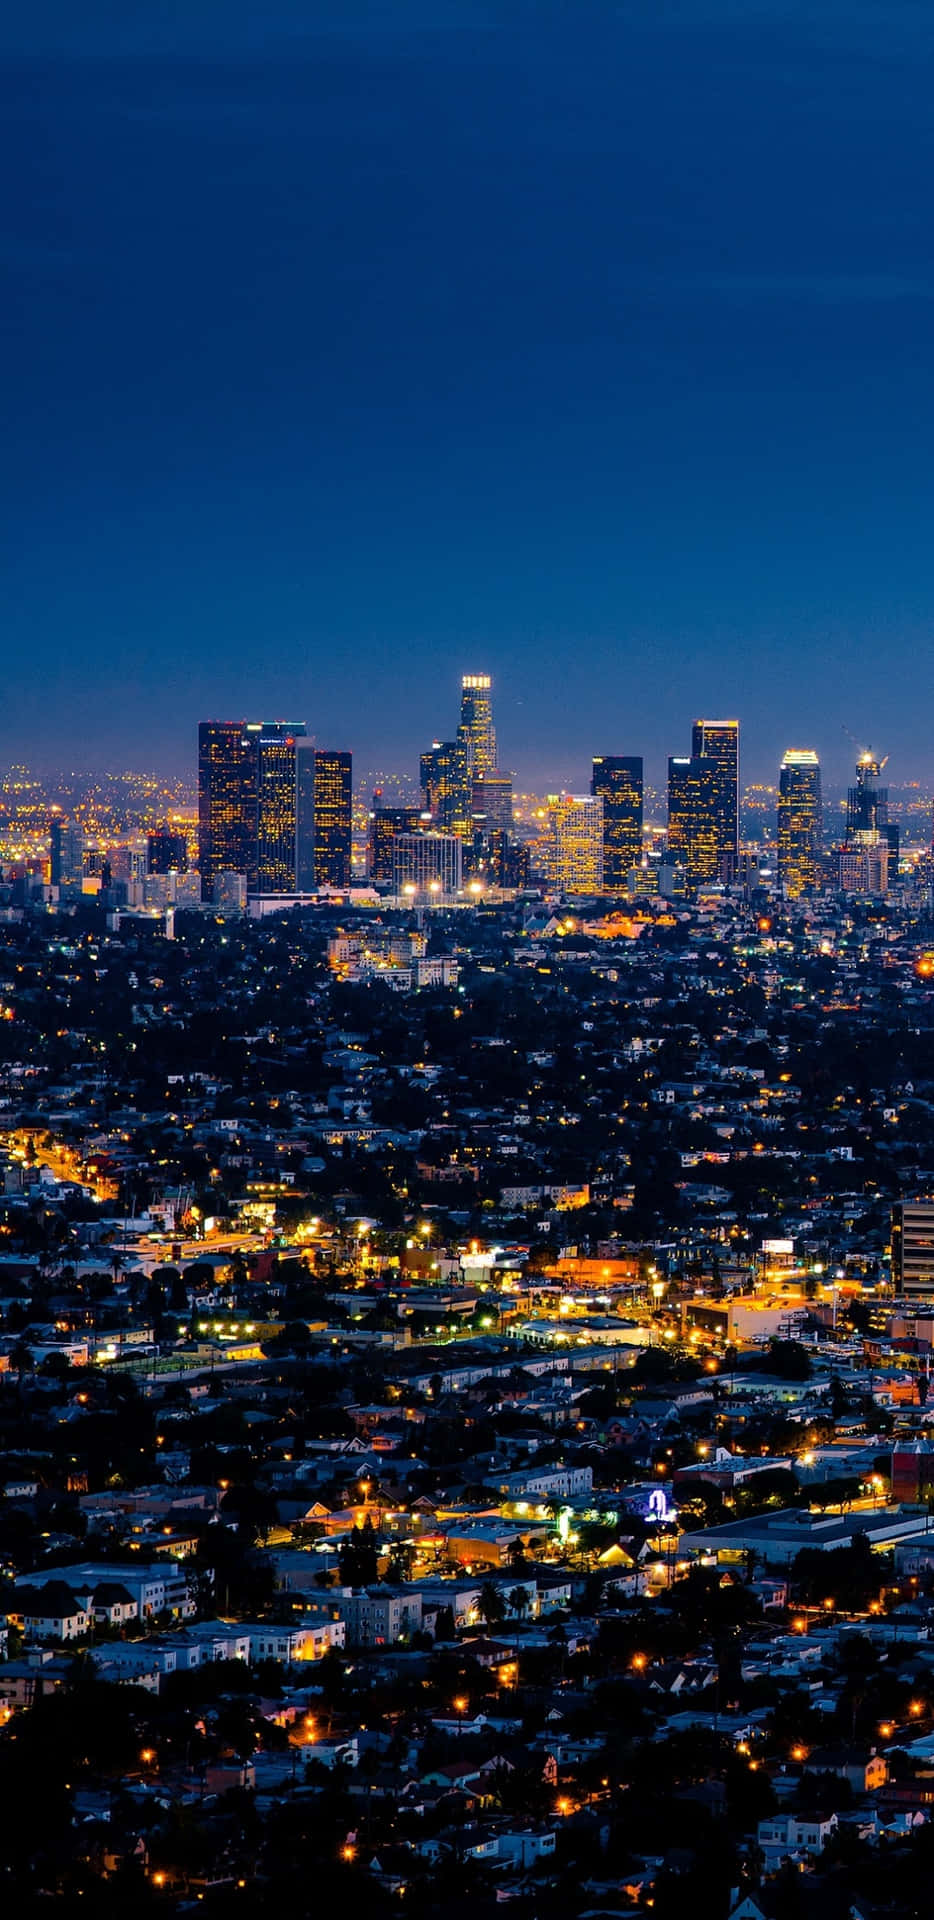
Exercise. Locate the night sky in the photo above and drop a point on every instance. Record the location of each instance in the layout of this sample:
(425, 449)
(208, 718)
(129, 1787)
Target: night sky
(347, 347)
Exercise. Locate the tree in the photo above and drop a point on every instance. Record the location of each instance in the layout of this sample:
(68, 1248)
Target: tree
(358, 1556)
(519, 1601)
(444, 1624)
(789, 1360)
(490, 1605)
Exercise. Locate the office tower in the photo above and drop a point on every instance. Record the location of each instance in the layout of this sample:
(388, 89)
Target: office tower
(800, 822)
(273, 867)
(304, 815)
(694, 818)
(508, 860)
(447, 785)
(226, 801)
(384, 824)
(427, 866)
(717, 743)
(66, 852)
(166, 852)
(476, 729)
(492, 802)
(333, 817)
(867, 811)
(617, 779)
(913, 1249)
(573, 849)
(863, 867)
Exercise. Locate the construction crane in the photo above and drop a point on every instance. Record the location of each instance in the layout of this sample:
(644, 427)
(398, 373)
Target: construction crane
(866, 754)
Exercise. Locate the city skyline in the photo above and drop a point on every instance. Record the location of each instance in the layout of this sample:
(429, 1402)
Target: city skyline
(562, 772)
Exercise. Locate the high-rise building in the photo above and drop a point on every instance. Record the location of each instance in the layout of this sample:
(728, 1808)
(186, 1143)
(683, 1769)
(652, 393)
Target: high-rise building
(382, 827)
(617, 779)
(693, 817)
(863, 865)
(573, 845)
(492, 802)
(226, 801)
(867, 812)
(800, 822)
(305, 815)
(717, 742)
(273, 867)
(427, 866)
(166, 852)
(333, 817)
(66, 852)
(249, 803)
(508, 861)
(913, 1249)
(447, 785)
(476, 728)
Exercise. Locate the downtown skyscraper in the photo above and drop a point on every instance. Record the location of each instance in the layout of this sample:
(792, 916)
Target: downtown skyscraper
(333, 817)
(226, 801)
(617, 779)
(703, 803)
(800, 822)
(273, 809)
(572, 845)
(476, 729)
(717, 742)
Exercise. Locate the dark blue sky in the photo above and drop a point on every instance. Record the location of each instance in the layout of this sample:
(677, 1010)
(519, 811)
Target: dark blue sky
(349, 346)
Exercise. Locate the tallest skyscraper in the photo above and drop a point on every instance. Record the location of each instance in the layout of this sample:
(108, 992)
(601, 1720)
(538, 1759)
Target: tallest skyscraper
(476, 730)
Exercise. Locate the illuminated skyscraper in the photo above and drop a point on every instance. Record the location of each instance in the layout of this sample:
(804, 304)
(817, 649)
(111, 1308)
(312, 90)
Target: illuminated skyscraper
(693, 818)
(66, 852)
(383, 826)
(226, 801)
(573, 846)
(248, 803)
(476, 728)
(618, 781)
(800, 822)
(305, 816)
(166, 852)
(717, 742)
(427, 865)
(333, 817)
(492, 802)
(273, 868)
(447, 785)
(867, 811)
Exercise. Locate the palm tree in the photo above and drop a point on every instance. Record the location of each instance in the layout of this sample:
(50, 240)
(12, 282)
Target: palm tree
(519, 1601)
(490, 1605)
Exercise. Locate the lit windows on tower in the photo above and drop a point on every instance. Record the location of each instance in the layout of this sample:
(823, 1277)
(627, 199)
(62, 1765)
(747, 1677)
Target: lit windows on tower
(226, 800)
(273, 869)
(800, 822)
(573, 843)
(693, 820)
(447, 784)
(476, 728)
(383, 826)
(717, 742)
(867, 812)
(333, 817)
(617, 779)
